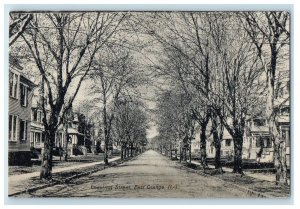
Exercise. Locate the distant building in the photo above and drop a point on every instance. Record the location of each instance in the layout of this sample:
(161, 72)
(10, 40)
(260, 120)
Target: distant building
(20, 95)
(226, 146)
(75, 138)
(37, 126)
(284, 125)
(257, 143)
(37, 133)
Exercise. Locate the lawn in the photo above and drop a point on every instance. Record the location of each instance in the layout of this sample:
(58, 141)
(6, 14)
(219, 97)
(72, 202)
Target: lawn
(73, 160)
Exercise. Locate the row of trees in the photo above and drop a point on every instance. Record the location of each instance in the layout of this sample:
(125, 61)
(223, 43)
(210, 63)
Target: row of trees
(225, 66)
(68, 48)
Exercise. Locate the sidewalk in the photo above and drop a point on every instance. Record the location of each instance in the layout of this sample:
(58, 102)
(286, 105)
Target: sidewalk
(259, 184)
(263, 177)
(23, 181)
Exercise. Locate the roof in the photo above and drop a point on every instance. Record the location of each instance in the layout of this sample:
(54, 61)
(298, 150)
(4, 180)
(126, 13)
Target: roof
(259, 130)
(73, 131)
(70, 130)
(26, 80)
(226, 134)
(283, 119)
(36, 126)
(282, 101)
(15, 63)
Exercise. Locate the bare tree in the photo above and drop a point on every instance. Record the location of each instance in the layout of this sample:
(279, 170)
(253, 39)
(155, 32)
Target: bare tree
(131, 124)
(175, 122)
(63, 47)
(185, 40)
(114, 74)
(241, 73)
(17, 25)
(269, 32)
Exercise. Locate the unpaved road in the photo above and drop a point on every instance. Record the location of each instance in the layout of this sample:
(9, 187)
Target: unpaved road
(149, 175)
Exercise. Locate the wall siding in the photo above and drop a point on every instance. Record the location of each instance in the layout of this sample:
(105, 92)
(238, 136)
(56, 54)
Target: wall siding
(23, 113)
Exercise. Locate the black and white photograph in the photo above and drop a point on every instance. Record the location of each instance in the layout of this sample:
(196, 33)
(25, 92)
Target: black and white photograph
(149, 104)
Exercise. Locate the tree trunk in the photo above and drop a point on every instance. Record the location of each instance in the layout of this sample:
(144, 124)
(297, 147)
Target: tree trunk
(218, 165)
(190, 152)
(106, 152)
(66, 142)
(279, 145)
(217, 143)
(122, 152)
(46, 167)
(238, 151)
(203, 145)
(180, 154)
(279, 156)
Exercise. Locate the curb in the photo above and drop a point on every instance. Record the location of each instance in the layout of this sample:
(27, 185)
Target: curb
(67, 180)
(33, 189)
(244, 189)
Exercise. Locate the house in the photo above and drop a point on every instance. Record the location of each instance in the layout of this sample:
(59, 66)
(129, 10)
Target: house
(195, 145)
(75, 138)
(257, 143)
(37, 130)
(20, 95)
(283, 121)
(37, 127)
(226, 146)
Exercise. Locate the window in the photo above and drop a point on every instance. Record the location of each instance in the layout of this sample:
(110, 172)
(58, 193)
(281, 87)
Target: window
(285, 111)
(43, 137)
(23, 130)
(39, 116)
(10, 127)
(227, 142)
(264, 142)
(287, 87)
(259, 142)
(24, 95)
(267, 142)
(259, 122)
(34, 114)
(37, 137)
(286, 136)
(13, 127)
(13, 84)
